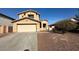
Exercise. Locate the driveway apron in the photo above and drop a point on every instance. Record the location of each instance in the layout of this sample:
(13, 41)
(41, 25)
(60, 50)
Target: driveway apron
(19, 42)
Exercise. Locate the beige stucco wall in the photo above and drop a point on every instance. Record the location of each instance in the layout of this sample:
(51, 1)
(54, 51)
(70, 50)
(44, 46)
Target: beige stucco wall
(44, 22)
(36, 16)
(6, 29)
(2, 29)
(25, 21)
(51, 28)
(5, 21)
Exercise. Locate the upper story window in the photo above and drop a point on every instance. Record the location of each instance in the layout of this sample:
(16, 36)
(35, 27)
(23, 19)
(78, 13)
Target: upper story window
(31, 16)
(23, 15)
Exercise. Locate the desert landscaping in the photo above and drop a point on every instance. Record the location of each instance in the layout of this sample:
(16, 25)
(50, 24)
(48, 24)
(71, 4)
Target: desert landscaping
(58, 42)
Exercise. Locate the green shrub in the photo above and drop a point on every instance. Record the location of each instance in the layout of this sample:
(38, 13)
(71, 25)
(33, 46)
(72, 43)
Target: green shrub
(65, 25)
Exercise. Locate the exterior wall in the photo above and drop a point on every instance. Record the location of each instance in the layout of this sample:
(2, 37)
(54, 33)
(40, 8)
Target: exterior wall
(21, 16)
(52, 27)
(7, 29)
(44, 22)
(25, 21)
(36, 16)
(1, 29)
(4, 21)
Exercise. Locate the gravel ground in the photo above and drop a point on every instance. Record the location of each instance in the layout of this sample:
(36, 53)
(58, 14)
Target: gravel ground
(58, 42)
(19, 42)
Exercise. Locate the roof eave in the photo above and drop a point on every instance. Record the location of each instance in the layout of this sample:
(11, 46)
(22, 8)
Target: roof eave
(7, 16)
(28, 11)
(25, 18)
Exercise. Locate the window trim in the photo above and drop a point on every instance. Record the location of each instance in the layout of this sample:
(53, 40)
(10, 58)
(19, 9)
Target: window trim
(31, 15)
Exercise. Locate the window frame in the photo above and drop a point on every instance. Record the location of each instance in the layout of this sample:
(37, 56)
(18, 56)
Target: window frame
(32, 16)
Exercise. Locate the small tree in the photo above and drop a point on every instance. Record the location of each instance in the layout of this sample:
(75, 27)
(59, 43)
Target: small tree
(65, 25)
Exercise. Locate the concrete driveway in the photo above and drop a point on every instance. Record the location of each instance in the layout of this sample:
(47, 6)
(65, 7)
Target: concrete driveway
(19, 42)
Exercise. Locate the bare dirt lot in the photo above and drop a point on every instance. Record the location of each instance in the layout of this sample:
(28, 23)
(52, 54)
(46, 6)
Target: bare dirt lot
(58, 42)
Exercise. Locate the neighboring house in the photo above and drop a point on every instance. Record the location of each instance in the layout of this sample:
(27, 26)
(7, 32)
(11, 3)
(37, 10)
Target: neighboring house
(29, 21)
(51, 26)
(75, 19)
(5, 23)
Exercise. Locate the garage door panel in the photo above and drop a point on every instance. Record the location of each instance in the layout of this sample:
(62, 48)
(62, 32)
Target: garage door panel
(26, 28)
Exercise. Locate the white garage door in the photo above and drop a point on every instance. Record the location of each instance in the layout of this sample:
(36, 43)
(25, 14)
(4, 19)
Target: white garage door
(26, 28)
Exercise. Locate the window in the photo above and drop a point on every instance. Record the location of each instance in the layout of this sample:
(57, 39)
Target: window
(31, 16)
(44, 25)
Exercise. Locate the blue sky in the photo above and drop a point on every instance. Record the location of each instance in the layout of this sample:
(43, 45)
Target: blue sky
(52, 14)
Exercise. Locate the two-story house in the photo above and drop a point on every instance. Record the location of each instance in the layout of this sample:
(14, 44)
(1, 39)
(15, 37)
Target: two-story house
(29, 21)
